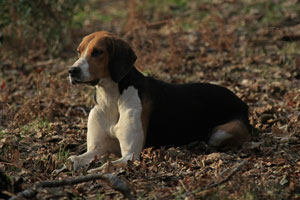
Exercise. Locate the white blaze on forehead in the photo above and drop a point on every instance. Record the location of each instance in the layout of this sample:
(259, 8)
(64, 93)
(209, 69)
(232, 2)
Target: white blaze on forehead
(85, 52)
(83, 65)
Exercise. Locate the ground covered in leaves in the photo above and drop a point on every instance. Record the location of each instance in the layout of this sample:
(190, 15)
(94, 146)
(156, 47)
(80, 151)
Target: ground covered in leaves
(251, 47)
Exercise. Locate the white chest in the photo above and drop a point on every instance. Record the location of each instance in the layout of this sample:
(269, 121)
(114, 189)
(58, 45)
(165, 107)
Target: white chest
(106, 109)
(114, 111)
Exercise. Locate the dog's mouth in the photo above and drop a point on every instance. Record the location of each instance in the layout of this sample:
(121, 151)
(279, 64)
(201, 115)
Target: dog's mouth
(92, 82)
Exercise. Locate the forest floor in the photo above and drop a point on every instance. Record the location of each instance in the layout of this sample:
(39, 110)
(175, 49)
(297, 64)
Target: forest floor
(250, 47)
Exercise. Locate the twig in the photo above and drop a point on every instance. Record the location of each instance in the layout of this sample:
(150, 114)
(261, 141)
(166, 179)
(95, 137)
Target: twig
(233, 172)
(113, 180)
(212, 185)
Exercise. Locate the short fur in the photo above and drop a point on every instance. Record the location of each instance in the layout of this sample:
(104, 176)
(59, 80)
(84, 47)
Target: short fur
(134, 111)
(191, 110)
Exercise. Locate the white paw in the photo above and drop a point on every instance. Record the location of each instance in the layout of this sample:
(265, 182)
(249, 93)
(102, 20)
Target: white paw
(75, 163)
(99, 169)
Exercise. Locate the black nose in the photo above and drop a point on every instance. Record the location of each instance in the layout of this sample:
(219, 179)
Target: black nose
(73, 71)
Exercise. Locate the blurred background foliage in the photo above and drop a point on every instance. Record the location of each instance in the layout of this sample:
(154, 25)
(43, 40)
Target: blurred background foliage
(27, 24)
(32, 25)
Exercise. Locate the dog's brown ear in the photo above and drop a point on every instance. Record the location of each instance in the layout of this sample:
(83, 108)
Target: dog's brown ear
(121, 58)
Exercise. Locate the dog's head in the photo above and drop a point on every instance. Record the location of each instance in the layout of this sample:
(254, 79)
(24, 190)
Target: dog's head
(101, 55)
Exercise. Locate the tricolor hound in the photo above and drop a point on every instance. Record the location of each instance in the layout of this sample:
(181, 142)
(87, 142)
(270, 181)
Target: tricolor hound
(134, 111)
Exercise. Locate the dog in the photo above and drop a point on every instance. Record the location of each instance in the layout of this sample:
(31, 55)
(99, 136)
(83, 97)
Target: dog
(133, 111)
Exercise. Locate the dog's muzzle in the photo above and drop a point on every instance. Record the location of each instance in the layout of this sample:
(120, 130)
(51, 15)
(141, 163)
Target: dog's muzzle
(74, 74)
(75, 77)
(74, 71)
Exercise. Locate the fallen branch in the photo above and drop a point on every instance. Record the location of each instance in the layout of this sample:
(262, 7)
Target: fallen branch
(233, 172)
(113, 180)
(212, 185)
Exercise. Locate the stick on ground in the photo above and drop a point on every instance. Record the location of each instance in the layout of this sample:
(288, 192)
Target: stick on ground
(212, 185)
(113, 180)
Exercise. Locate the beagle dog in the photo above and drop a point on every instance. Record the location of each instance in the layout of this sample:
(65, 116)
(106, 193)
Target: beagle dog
(134, 111)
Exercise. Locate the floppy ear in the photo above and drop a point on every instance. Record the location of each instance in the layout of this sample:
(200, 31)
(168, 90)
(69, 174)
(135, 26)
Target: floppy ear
(121, 58)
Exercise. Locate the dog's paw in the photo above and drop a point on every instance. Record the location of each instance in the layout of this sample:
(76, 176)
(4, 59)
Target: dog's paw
(106, 167)
(57, 171)
(73, 163)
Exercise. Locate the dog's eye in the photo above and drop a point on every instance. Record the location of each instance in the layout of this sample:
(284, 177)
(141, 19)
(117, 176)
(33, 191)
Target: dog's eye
(97, 52)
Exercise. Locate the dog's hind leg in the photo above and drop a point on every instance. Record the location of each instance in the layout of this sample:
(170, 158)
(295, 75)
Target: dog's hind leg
(99, 142)
(230, 135)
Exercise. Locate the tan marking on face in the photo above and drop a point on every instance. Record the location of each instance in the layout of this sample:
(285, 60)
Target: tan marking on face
(98, 64)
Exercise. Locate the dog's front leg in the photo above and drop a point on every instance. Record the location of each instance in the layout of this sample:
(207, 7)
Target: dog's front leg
(99, 142)
(129, 129)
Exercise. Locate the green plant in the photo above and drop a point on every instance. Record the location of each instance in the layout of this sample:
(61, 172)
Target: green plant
(62, 154)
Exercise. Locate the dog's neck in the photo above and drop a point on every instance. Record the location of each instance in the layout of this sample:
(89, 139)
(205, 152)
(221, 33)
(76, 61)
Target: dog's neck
(107, 94)
(133, 78)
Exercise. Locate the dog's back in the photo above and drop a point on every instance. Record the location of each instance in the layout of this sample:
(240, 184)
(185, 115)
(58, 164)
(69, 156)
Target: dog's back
(192, 111)
(183, 113)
